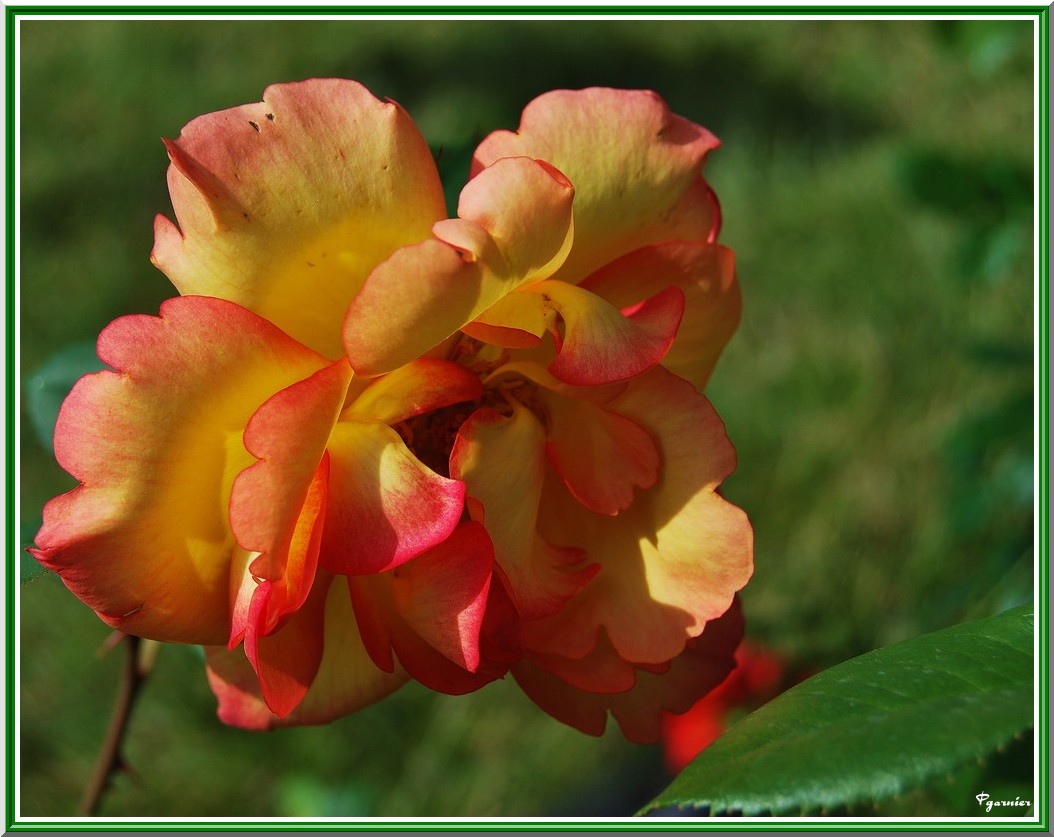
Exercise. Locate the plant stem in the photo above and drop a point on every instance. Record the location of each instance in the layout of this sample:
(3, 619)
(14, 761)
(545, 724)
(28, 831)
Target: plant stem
(110, 761)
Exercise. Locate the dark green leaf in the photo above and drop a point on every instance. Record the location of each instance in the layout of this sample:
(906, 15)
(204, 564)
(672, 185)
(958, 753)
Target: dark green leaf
(872, 727)
(47, 388)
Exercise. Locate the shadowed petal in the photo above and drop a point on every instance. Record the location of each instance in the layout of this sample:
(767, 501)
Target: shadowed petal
(419, 387)
(286, 659)
(442, 594)
(602, 670)
(502, 462)
(704, 663)
(600, 455)
(436, 614)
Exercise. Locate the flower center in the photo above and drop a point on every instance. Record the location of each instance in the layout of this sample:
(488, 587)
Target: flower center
(431, 436)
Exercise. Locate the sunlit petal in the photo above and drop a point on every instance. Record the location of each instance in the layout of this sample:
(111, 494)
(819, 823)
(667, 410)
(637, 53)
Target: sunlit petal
(518, 228)
(712, 300)
(145, 540)
(384, 506)
(674, 559)
(285, 206)
(635, 167)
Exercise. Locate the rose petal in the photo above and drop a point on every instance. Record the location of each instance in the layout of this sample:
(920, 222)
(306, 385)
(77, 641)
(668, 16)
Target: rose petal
(416, 656)
(524, 206)
(437, 613)
(419, 387)
(502, 462)
(600, 344)
(286, 660)
(705, 273)
(276, 583)
(602, 670)
(705, 662)
(517, 229)
(145, 541)
(670, 562)
(517, 320)
(634, 165)
(346, 680)
(442, 594)
(285, 206)
(384, 507)
(288, 434)
(600, 455)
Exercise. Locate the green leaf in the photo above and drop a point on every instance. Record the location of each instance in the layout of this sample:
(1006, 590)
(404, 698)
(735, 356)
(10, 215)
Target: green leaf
(872, 727)
(47, 388)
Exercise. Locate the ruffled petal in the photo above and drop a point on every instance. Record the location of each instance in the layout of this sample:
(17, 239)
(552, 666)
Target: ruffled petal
(502, 463)
(156, 444)
(706, 274)
(600, 455)
(288, 434)
(601, 344)
(515, 229)
(384, 507)
(286, 659)
(705, 662)
(634, 165)
(442, 594)
(516, 321)
(346, 681)
(602, 670)
(285, 206)
(419, 387)
(673, 560)
(275, 582)
(598, 343)
(432, 613)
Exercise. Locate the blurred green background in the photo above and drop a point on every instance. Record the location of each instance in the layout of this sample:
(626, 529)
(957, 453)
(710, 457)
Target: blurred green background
(876, 180)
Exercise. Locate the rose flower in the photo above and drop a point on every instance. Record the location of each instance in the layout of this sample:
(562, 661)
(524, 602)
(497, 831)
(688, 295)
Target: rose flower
(369, 443)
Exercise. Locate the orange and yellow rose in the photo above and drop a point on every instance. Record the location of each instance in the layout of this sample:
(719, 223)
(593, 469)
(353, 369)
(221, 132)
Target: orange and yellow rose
(369, 443)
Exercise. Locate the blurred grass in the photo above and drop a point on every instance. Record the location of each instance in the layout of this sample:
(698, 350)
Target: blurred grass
(876, 186)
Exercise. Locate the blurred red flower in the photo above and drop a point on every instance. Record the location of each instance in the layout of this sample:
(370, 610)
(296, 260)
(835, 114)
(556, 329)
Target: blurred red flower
(757, 678)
